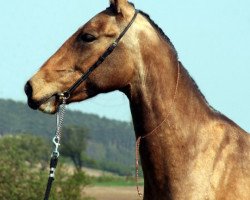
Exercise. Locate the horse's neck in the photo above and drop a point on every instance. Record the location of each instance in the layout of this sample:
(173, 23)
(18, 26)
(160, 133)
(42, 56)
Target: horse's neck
(152, 91)
(164, 154)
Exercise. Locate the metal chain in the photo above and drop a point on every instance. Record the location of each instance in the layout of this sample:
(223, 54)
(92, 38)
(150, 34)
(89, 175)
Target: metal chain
(60, 119)
(56, 141)
(59, 126)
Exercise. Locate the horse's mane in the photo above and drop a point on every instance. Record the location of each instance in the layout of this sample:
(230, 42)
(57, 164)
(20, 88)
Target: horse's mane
(161, 32)
(167, 39)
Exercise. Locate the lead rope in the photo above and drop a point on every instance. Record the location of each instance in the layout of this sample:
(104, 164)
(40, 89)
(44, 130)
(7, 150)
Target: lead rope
(138, 141)
(56, 140)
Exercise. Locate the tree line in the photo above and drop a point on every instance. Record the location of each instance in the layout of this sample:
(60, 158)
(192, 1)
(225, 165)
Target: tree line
(109, 144)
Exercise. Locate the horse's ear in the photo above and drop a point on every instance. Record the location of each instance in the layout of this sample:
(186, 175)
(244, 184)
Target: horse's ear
(119, 6)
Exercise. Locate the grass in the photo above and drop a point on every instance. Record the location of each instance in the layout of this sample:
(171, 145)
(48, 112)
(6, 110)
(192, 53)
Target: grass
(114, 181)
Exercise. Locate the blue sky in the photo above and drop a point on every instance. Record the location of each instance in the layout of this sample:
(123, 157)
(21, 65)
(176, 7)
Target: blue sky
(211, 37)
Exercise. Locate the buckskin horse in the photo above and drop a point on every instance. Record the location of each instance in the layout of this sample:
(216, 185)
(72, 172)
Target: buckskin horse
(188, 150)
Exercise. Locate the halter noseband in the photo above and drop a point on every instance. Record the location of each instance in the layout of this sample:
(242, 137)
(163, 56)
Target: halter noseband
(109, 50)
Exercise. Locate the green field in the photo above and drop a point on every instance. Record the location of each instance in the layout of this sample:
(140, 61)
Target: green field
(115, 181)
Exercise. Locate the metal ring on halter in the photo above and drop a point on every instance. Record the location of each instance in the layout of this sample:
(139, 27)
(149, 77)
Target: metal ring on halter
(64, 95)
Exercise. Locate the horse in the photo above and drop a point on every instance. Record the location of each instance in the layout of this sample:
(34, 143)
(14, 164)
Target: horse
(188, 149)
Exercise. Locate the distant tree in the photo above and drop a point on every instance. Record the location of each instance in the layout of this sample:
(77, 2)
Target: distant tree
(74, 144)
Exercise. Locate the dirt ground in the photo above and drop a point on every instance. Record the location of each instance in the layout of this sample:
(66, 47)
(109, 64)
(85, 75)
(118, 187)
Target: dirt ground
(112, 193)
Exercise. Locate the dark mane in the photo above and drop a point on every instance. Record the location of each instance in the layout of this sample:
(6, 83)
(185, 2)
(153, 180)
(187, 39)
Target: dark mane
(161, 32)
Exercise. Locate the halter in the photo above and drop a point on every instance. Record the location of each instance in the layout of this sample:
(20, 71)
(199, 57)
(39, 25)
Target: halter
(100, 60)
(66, 95)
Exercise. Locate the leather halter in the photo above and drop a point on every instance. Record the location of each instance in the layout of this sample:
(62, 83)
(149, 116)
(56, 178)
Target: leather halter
(66, 94)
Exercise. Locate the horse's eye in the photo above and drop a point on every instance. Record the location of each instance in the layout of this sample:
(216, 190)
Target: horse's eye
(87, 37)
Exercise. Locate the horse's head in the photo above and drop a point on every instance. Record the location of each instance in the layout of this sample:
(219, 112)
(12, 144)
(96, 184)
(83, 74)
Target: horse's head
(82, 50)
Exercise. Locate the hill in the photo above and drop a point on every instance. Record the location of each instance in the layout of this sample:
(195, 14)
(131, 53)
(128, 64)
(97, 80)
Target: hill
(111, 142)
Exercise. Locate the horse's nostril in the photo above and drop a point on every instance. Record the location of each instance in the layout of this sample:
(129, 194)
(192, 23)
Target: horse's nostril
(28, 89)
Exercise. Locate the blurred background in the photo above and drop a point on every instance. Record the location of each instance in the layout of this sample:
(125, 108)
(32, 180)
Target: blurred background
(211, 38)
